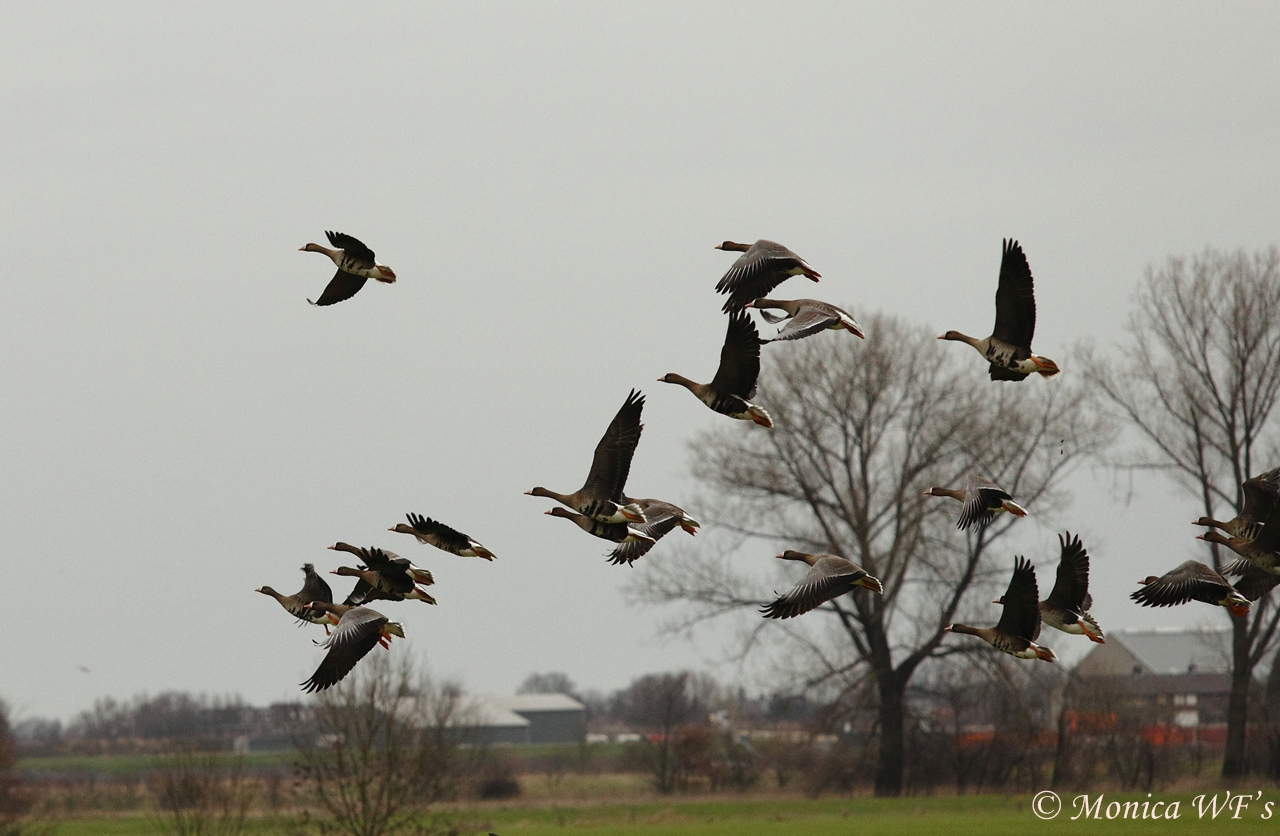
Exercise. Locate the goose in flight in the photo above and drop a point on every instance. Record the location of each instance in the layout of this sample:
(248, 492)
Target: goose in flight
(1067, 607)
(430, 532)
(358, 630)
(1008, 349)
(600, 497)
(762, 266)
(805, 317)
(314, 588)
(731, 390)
(1192, 581)
(1260, 499)
(355, 265)
(1019, 624)
(981, 499)
(660, 519)
(829, 576)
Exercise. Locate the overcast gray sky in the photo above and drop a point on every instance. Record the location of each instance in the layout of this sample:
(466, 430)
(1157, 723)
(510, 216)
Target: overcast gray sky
(548, 181)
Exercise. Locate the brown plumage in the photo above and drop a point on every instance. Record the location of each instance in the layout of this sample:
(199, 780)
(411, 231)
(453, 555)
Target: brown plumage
(1019, 624)
(358, 630)
(660, 518)
(600, 497)
(1192, 581)
(313, 589)
(383, 575)
(829, 576)
(1067, 607)
(762, 266)
(355, 263)
(731, 390)
(431, 532)
(1008, 349)
(981, 499)
(1260, 501)
(615, 532)
(805, 317)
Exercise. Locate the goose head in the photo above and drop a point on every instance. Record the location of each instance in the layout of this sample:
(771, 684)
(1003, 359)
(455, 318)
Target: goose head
(733, 246)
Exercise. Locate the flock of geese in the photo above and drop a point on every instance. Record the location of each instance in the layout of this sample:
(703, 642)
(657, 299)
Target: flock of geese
(602, 508)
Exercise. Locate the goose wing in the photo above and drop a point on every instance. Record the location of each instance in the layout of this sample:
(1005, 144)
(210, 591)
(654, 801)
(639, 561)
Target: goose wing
(1260, 494)
(1192, 581)
(1256, 583)
(1072, 585)
(981, 499)
(1021, 615)
(444, 537)
(352, 248)
(1261, 506)
(341, 287)
(828, 578)
(314, 588)
(739, 358)
(998, 372)
(394, 572)
(356, 634)
(809, 320)
(764, 266)
(611, 463)
(660, 519)
(1015, 300)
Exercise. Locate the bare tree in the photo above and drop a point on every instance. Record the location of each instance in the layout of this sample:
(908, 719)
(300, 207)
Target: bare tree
(554, 682)
(17, 799)
(861, 430)
(389, 747)
(1199, 381)
(201, 794)
(660, 704)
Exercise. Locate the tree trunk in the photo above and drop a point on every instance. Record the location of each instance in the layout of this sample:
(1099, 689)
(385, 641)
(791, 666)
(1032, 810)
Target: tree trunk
(892, 719)
(1233, 758)
(1062, 751)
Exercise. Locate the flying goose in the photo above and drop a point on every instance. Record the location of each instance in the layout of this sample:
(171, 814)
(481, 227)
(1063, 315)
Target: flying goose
(1192, 581)
(762, 266)
(358, 630)
(807, 317)
(389, 587)
(314, 588)
(1067, 607)
(1019, 624)
(355, 265)
(981, 500)
(1260, 499)
(1261, 552)
(1008, 349)
(616, 532)
(600, 497)
(432, 533)
(829, 576)
(660, 518)
(731, 390)
(383, 574)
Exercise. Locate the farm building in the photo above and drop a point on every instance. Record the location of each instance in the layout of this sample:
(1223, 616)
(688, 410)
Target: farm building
(526, 718)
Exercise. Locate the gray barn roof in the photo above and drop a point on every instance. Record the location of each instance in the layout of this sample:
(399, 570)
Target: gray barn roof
(1164, 650)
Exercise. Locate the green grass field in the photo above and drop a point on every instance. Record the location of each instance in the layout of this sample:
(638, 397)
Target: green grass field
(985, 815)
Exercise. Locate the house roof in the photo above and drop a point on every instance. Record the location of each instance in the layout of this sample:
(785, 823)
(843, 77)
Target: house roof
(522, 703)
(482, 711)
(1162, 651)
